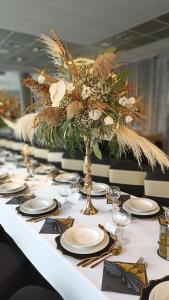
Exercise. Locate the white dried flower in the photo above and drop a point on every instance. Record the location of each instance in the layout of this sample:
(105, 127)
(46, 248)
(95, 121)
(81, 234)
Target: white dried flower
(123, 101)
(95, 114)
(57, 92)
(128, 119)
(86, 92)
(132, 100)
(41, 79)
(108, 120)
(70, 87)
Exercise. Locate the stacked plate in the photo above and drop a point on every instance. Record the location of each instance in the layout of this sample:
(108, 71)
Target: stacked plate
(3, 175)
(141, 206)
(12, 187)
(84, 239)
(160, 291)
(37, 206)
(98, 189)
(44, 170)
(67, 177)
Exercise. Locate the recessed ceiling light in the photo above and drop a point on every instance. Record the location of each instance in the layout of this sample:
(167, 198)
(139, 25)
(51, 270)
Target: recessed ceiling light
(83, 61)
(35, 49)
(105, 44)
(19, 59)
(4, 51)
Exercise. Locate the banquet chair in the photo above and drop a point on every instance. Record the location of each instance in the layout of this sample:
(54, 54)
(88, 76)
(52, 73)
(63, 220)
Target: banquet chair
(13, 270)
(127, 175)
(156, 184)
(72, 163)
(55, 158)
(35, 292)
(99, 169)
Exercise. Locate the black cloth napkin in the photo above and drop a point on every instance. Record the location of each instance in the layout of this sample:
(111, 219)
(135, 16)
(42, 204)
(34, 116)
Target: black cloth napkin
(122, 198)
(117, 279)
(56, 226)
(17, 200)
(82, 256)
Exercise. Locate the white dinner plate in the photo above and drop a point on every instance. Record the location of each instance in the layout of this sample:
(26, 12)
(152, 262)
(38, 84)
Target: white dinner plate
(83, 236)
(66, 177)
(141, 204)
(43, 170)
(37, 205)
(160, 291)
(12, 187)
(90, 250)
(97, 189)
(27, 211)
(3, 175)
(141, 213)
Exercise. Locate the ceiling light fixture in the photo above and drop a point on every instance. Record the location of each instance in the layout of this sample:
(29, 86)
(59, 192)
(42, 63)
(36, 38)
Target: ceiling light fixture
(19, 59)
(83, 61)
(35, 49)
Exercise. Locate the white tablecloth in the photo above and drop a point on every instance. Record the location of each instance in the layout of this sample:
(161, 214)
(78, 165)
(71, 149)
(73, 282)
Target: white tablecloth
(76, 283)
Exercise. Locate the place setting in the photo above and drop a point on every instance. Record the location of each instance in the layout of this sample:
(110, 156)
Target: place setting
(38, 209)
(98, 190)
(10, 188)
(86, 241)
(142, 208)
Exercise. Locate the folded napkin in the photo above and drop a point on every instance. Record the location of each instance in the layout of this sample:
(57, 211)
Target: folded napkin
(123, 198)
(20, 199)
(56, 226)
(120, 278)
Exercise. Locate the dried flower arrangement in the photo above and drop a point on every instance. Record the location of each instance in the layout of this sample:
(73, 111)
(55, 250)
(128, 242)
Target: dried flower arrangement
(9, 106)
(89, 103)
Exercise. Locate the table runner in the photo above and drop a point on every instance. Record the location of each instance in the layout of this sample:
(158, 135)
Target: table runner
(73, 282)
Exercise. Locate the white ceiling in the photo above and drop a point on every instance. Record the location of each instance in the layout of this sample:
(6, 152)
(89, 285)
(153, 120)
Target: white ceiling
(84, 24)
(78, 21)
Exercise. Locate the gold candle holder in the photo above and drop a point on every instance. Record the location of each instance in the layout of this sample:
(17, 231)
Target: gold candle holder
(89, 208)
(27, 153)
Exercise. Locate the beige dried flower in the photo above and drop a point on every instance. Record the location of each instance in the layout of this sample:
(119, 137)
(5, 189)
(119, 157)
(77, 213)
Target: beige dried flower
(103, 65)
(74, 108)
(51, 115)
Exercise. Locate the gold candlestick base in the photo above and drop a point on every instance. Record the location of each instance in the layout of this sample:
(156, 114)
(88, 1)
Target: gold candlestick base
(89, 209)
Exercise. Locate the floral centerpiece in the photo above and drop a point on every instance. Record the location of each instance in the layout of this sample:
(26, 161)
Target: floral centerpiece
(86, 104)
(9, 107)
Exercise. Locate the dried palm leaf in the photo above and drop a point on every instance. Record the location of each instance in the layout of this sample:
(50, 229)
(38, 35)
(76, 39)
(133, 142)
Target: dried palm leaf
(24, 126)
(95, 104)
(103, 65)
(40, 91)
(74, 108)
(51, 115)
(128, 139)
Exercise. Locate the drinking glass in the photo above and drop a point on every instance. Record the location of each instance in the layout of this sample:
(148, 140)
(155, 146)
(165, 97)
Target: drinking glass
(74, 178)
(65, 191)
(121, 218)
(167, 215)
(114, 193)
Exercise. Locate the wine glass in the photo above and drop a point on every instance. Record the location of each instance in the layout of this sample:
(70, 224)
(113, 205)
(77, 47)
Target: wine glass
(113, 193)
(121, 218)
(74, 178)
(65, 191)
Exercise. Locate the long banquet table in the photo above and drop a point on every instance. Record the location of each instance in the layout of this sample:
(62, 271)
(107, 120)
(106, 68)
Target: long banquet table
(73, 282)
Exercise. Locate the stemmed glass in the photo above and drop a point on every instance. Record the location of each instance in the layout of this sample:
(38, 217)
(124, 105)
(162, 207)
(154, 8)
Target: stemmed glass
(113, 193)
(74, 178)
(121, 218)
(65, 191)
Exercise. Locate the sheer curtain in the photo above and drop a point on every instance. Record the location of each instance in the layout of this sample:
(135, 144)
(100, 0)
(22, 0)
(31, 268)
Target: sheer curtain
(151, 77)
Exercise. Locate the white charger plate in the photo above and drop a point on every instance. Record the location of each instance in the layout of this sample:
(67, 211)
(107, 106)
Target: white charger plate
(83, 236)
(141, 204)
(37, 205)
(98, 188)
(26, 211)
(160, 291)
(66, 177)
(90, 250)
(43, 170)
(12, 187)
(141, 213)
(3, 175)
